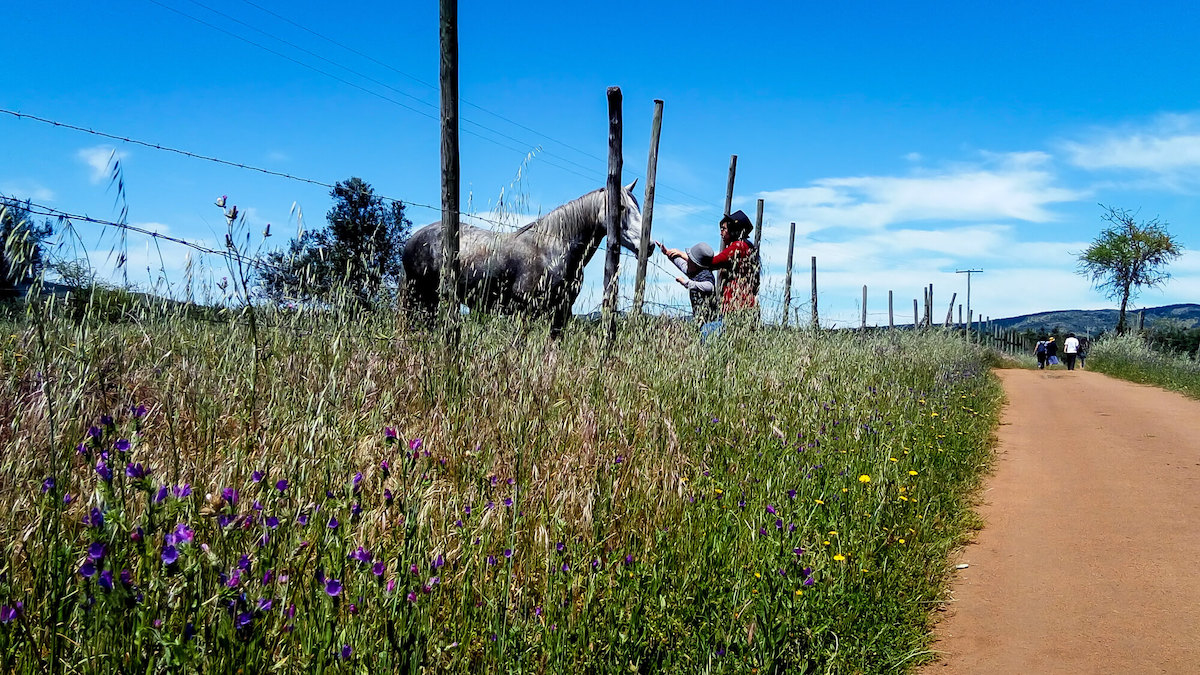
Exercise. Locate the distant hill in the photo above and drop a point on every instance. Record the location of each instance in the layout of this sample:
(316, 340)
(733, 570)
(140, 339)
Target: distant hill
(1095, 321)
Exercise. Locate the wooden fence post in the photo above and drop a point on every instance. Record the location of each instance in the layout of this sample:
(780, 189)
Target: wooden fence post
(864, 309)
(612, 217)
(729, 185)
(758, 227)
(950, 310)
(639, 285)
(915, 322)
(787, 279)
(815, 320)
(448, 79)
(891, 316)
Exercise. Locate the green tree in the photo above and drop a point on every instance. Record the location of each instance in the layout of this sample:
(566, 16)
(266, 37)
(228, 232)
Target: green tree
(1128, 256)
(358, 253)
(21, 241)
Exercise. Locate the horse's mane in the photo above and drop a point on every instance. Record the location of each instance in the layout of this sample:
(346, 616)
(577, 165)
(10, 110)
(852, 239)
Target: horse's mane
(572, 210)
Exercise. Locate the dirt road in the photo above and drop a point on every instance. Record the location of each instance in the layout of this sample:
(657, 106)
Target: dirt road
(1089, 559)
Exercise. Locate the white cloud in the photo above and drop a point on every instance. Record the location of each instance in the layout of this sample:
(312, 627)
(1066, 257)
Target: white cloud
(1169, 147)
(1015, 186)
(30, 191)
(98, 160)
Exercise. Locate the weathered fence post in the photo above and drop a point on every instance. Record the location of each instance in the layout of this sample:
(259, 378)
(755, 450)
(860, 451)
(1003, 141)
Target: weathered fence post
(612, 217)
(864, 309)
(816, 323)
(950, 310)
(929, 308)
(915, 321)
(787, 279)
(448, 77)
(729, 185)
(891, 316)
(639, 284)
(758, 227)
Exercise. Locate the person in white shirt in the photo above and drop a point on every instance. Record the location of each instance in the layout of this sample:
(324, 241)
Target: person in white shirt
(1070, 350)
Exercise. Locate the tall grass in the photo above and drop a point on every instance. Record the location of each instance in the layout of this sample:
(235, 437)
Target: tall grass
(336, 493)
(1130, 358)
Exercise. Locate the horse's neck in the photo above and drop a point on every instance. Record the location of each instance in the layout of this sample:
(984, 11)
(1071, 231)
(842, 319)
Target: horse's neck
(573, 231)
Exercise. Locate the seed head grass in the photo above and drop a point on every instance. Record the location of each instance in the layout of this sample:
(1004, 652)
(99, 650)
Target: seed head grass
(333, 492)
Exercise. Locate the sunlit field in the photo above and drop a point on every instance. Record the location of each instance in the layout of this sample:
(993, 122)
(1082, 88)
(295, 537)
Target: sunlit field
(316, 493)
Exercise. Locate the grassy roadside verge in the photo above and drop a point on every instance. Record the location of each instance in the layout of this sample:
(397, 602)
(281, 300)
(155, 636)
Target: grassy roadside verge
(1129, 358)
(337, 495)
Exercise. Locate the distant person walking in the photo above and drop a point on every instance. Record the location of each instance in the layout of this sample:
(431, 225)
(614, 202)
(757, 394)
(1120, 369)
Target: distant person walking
(1042, 353)
(1051, 352)
(1084, 345)
(1070, 350)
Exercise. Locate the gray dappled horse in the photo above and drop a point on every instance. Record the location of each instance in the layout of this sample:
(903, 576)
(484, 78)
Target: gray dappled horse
(534, 271)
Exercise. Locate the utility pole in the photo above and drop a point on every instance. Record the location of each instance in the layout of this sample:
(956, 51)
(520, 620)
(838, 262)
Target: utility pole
(970, 318)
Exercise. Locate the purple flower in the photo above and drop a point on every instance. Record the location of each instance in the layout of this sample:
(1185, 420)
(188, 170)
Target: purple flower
(333, 587)
(791, 494)
(169, 555)
(106, 580)
(121, 445)
(182, 491)
(770, 509)
(302, 519)
(139, 410)
(798, 551)
(559, 546)
(244, 620)
(389, 433)
(48, 484)
(265, 604)
(135, 471)
(355, 508)
(357, 481)
(437, 562)
(257, 476)
(361, 554)
(103, 471)
(94, 432)
(224, 520)
(96, 551)
(491, 560)
(779, 523)
(68, 498)
(8, 614)
(281, 485)
(629, 559)
(378, 568)
(161, 495)
(566, 567)
(126, 577)
(88, 570)
(347, 650)
(508, 501)
(230, 495)
(244, 563)
(333, 523)
(415, 444)
(809, 581)
(272, 522)
(508, 553)
(183, 533)
(467, 510)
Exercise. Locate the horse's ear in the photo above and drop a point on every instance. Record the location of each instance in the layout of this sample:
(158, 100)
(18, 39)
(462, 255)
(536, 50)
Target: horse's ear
(631, 185)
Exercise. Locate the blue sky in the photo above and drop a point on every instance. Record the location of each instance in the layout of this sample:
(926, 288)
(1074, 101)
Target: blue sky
(905, 140)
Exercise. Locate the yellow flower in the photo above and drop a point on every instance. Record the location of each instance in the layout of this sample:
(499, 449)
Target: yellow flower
(819, 501)
(757, 575)
(833, 532)
(720, 491)
(839, 557)
(799, 592)
(864, 478)
(893, 459)
(912, 473)
(901, 541)
(933, 414)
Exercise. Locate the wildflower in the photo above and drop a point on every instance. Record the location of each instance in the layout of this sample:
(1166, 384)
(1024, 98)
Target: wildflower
(126, 577)
(333, 588)
(265, 604)
(302, 519)
(182, 491)
(387, 497)
(281, 485)
(779, 523)
(412, 596)
(378, 568)
(169, 555)
(333, 523)
(415, 444)
(391, 585)
(437, 562)
(106, 580)
(618, 460)
(139, 410)
(96, 518)
(491, 560)
(912, 473)
(257, 476)
(243, 620)
(230, 495)
(96, 551)
(68, 498)
(135, 471)
(161, 495)
(629, 559)
(88, 570)
(566, 567)
(389, 434)
(864, 478)
(272, 522)
(48, 484)
(103, 471)
(508, 553)
(467, 510)
(361, 554)
(839, 557)
(559, 546)
(121, 445)
(508, 501)
(355, 508)
(791, 494)
(136, 535)
(8, 614)
(94, 432)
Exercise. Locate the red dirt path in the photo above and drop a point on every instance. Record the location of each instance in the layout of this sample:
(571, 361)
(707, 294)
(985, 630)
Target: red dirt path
(1089, 559)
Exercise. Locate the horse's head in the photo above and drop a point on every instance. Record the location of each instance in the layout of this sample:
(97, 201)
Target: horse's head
(631, 218)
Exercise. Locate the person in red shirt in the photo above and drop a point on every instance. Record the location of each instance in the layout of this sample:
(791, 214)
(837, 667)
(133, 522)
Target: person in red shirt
(739, 262)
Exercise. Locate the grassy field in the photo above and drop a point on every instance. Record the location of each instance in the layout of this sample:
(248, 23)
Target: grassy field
(316, 494)
(1130, 358)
